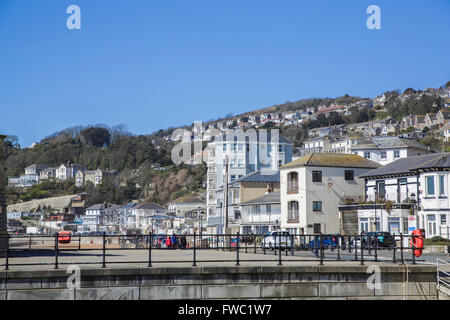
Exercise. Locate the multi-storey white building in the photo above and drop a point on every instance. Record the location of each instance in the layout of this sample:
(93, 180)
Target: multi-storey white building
(384, 150)
(410, 193)
(242, 154)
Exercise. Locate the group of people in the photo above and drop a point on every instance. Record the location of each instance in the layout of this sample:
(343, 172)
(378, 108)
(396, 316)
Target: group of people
(174, 242)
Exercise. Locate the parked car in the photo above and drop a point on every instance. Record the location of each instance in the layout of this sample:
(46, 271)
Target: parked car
(277, 239)
(329, 242)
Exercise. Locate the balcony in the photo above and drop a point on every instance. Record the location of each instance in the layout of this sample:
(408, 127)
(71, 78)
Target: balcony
(260, 218)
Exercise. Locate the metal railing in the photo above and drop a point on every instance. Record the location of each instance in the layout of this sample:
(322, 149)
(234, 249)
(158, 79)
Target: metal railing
(443, 277)
(294, 248)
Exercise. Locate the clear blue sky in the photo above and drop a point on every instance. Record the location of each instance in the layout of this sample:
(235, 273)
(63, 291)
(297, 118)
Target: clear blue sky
(151, 64)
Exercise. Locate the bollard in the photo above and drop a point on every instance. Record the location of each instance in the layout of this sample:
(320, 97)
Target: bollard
(279, 249)
(150, 242)
(194, 264)
(237, 248)
(412, 250)
(56, 251)
(104, 250)
(401, 248)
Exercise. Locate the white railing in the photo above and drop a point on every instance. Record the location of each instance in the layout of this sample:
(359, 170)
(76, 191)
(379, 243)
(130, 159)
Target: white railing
(443, 277)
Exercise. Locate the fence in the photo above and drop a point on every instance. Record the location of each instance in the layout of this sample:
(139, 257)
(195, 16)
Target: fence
(281, 246)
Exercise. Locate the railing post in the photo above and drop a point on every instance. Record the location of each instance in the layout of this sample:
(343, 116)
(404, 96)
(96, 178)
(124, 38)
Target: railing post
(217, 242)
(356, 247)
(412, 249)
(292, 245)
(150, 242)
(104, 250)
(279, 249)
(321, 249)
(362, 250)
(264, 244)
(339, 240)
(79, 242)
(237, 249)
(194, 264)
(245, 242)
(401, 247)
(29, 247)
(56, 251)
(7, 253)
(394, 259)
(254, 245)
(349, 244)
(376, 249)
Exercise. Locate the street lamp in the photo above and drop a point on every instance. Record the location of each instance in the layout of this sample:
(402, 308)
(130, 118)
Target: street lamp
(376, 196)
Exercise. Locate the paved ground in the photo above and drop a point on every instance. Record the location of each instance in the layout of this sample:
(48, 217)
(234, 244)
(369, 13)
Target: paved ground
(92, 258)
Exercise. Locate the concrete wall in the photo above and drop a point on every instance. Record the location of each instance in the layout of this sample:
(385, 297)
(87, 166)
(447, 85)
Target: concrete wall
(314, 282)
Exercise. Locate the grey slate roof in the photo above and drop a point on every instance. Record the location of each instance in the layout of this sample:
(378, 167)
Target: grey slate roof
(271, 197)
(98, 206)
(150, 206)
(389, 143)
(259, 176)
(411, 164)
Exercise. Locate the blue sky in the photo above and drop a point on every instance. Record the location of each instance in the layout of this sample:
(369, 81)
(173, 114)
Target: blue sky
(152, 64)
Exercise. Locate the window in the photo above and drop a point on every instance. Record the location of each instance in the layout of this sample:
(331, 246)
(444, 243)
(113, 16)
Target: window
(234, 147)
(441, 185)
(240, 163)
(268, 208)
(396, 154)
(256, 208)
(367, 155)
(316, 227)
(292, 182)
(443, 219)
(280, 163)
(381, 189)
(317, 176)
(241, 147)
(280, 148)
(349, 175)
(224, 147)
(233, 177)
(430, 185)
(293, 211)
(317, 205)
(383, 155)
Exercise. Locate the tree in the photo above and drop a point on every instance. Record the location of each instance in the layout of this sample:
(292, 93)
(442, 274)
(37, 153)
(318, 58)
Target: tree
(96, 136)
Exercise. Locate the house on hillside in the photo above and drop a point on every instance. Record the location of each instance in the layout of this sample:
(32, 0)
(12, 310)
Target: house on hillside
(68, 171)
(384, 150)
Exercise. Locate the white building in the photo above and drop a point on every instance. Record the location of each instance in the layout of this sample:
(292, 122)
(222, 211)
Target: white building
(411, 193)
(312, 187)
(68, 171)
(384, 150)
(261, 215)
(243, 154)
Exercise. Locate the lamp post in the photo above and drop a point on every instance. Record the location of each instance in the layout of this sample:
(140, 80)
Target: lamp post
(376, 196)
